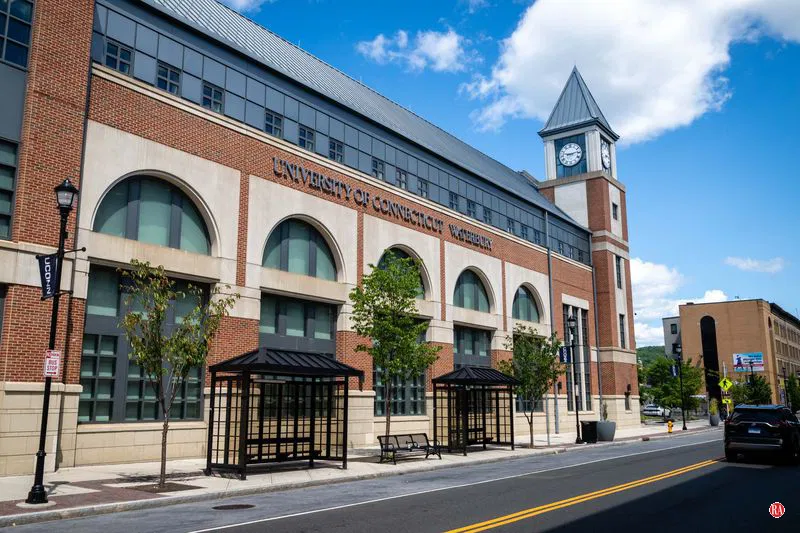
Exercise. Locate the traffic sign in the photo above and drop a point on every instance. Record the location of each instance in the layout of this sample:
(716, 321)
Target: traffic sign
(725, 384)
(728, 402)
(52, 364)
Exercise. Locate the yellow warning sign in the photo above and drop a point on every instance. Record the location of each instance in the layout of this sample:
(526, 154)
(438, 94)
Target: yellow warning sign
(725, 384)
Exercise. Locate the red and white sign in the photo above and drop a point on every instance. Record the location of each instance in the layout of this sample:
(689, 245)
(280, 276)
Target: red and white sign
(52, 364)
(777, 509)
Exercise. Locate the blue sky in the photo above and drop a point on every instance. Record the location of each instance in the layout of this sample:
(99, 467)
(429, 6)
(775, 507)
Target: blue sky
(705, 93)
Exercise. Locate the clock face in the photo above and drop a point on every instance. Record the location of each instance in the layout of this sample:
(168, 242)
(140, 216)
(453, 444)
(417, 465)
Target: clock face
(570, 154)
(605, 155)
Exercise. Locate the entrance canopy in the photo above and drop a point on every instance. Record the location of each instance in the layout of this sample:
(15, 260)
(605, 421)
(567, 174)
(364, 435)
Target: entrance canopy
(277, 405)
(473, 405)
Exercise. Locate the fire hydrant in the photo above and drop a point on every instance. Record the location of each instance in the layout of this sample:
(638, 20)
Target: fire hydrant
(669, 426)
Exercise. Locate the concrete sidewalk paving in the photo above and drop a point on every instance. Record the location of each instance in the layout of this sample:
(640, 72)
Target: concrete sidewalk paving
(90, 490)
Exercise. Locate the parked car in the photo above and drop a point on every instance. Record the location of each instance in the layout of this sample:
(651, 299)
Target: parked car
(767, 429)
(655, 410)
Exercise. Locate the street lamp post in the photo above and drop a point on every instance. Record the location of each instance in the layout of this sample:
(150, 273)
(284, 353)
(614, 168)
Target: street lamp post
(678, 350)
(572, 327)
(66, 193)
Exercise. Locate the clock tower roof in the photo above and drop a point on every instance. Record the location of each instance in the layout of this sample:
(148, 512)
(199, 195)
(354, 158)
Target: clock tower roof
(576, 107)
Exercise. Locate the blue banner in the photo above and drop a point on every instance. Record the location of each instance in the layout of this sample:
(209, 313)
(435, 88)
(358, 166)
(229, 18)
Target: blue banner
(48, 272)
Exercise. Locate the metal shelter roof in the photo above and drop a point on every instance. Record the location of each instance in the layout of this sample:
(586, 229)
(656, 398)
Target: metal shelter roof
(287, 363)
(475, 375)
(576, 107)
(224, 25)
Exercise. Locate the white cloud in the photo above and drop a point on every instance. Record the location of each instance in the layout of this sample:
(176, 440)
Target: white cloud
(654, 288)
(475, 5)
(246, 5)
(647, 335)
(439, 51)
(770, 266)
(652, 65)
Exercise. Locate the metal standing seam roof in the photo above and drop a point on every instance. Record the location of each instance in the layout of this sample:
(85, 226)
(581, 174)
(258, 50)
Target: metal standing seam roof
(576, 106)
(287, 363)
(475, 375)
(222, 24)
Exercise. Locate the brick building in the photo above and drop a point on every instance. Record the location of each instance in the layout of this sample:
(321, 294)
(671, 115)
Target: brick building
(720, 335)
(205, 143)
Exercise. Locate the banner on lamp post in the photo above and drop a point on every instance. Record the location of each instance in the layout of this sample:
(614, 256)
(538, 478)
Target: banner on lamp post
(48, 272)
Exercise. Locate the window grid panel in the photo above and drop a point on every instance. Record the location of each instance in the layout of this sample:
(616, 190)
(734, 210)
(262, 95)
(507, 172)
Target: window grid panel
(168, 79)
(8, 170)
(213, 98)
(619, 271)
(422, 188)
(487, 215)
(402, 179)
(306, 139)
(335, 151)
(273, 124)
(15, 31)
(378, 169)
(118, 57)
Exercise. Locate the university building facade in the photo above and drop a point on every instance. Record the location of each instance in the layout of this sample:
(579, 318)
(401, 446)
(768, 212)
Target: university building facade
(203, 142)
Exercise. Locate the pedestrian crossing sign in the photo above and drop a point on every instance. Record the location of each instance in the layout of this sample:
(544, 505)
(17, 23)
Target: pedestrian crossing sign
(725, 384)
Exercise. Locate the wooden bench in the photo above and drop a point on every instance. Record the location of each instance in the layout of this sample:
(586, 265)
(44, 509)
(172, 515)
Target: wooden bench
(407, 444)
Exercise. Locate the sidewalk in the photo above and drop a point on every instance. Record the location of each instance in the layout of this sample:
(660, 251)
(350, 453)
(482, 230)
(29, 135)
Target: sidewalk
(90, 490)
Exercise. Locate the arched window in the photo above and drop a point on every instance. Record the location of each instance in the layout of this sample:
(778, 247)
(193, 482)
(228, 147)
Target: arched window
(524, 307)
(153, 211)
(401, 254)
(296, 246)
(470, 292)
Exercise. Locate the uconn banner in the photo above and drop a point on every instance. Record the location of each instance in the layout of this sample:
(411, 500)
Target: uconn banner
(48, 270)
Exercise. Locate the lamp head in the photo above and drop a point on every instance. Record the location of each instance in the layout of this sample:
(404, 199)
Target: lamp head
(66, 193)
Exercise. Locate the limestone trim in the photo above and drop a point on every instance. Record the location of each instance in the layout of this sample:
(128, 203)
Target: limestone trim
(608, 234)
(574, 301)
(615, 355)
(609, 247)
(143, 426)
(25, 386)
(596, 174)
(21, 268)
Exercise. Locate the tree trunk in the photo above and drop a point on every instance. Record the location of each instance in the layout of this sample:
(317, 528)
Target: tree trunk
(387, 388)
(530, 421)
(162, 479)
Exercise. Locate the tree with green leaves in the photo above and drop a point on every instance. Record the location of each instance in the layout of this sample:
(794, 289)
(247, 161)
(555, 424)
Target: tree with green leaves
(534, 363)
(166, 358)
(665, 388)
(793, 393)
(384, 311)
(755, 390)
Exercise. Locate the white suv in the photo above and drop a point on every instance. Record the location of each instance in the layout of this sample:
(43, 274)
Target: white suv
(654, 410)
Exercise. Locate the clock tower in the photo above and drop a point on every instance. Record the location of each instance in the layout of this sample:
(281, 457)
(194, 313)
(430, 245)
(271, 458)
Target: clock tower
(582, 179)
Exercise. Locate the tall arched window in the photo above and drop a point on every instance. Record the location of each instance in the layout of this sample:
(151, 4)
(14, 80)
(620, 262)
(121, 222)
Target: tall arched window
(401, 254)
(296, 246)
(524, 307)
(470, 292)
(153, 211)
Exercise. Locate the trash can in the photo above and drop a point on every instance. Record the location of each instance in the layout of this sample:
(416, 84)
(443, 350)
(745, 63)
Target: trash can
(589, 432)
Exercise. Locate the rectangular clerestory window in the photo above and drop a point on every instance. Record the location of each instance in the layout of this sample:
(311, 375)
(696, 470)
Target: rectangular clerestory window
(8, 173)
(335, 151)
(15, 31)
(213, 98)
(118, 57)
(273, 124)
(168, 79)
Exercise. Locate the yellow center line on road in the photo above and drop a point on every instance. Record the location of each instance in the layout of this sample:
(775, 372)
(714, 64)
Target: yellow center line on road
(534, 511)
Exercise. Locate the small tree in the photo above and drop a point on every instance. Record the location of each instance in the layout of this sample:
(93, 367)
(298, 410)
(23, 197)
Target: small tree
(535, 364)
(384, 309)
(755, 391)
(793, 393)
(665, 387)
(166, 358)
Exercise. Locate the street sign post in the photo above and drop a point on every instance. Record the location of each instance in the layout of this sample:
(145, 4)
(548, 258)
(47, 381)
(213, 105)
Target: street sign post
(52, 363)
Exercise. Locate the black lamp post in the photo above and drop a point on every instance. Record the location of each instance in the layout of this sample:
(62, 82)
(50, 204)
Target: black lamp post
(572, 327)
(678, 350)
(66, 193)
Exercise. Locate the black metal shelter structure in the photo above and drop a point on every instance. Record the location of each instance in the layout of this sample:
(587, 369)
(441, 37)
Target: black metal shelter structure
(277, 405)
(473, 406)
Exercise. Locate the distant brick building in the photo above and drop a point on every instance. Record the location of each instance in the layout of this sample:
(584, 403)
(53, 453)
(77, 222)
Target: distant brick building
(205, 143)
(721, 336)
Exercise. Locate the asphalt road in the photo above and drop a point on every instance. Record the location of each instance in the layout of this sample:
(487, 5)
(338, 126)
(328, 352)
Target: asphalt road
(648, 486)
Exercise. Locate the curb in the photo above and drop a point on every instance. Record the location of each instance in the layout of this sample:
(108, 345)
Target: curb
(135, 505)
